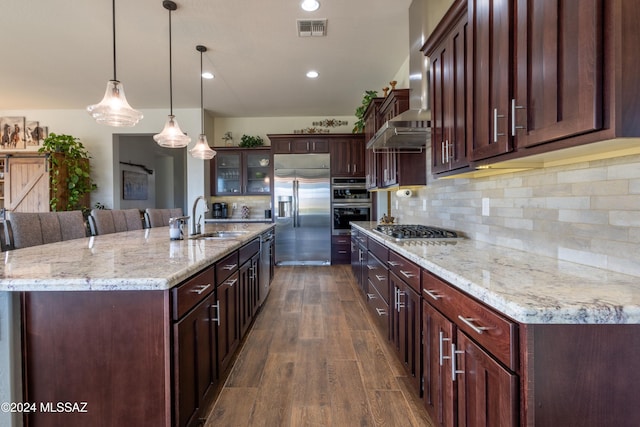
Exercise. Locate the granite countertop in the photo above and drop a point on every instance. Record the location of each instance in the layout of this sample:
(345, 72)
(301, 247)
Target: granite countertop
(527, 287)
(132, 260)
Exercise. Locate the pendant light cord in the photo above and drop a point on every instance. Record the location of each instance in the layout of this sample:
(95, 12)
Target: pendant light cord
(113, 17)
(201, 96)
(170, 70)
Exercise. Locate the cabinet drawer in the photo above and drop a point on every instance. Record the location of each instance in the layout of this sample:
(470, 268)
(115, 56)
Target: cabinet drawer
(379, 309)
(406, 270)
(226, 266)
(190, 293)
(249, 250)
(379, 250)
(498, 335)
(378, 275)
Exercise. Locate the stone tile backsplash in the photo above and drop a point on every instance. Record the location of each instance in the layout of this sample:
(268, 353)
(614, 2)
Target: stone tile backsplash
(588, 213)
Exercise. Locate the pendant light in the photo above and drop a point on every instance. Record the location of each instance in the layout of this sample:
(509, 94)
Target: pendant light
(114, 110)
(171, 136)
(202, 150)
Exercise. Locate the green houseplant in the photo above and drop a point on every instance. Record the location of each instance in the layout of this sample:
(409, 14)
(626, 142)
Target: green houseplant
(366, 100)
(251, 141)
(70, 179)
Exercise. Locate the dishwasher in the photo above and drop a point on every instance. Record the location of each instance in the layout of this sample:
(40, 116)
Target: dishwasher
(266, 263)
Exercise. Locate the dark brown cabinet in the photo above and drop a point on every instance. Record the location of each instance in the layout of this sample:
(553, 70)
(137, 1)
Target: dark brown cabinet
(406, 327)
(228, 299)
(340, 249)
(438, 384)
(348, 156)
(298, 144)
(378, 285)
(248, 285)
(359, 258)
(195, 366)
(238, 172)
(559, 65)
(447, 49)
(487, 392)
(372, 122)
(480, 373)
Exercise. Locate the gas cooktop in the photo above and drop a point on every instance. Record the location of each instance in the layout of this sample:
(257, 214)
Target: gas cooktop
(415, 231)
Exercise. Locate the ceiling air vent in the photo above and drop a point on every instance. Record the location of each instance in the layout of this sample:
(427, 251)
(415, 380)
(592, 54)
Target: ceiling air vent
(312, 28)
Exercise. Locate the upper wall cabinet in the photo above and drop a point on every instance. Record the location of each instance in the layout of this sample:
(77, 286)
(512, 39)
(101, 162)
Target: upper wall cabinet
(238, 172)
(448, 52)
(559, 54)
(298, 144)
(542, 75)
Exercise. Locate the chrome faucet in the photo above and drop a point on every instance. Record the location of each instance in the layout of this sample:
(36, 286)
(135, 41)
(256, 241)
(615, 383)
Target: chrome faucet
(195, 224)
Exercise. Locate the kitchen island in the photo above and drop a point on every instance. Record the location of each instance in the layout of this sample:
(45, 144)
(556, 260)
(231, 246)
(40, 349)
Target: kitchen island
(104, 321)
(507, 337)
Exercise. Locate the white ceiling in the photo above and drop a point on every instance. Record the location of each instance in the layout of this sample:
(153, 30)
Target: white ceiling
(57, 54)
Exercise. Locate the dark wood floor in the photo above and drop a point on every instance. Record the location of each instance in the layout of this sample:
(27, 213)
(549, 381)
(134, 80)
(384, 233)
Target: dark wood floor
(314, 358)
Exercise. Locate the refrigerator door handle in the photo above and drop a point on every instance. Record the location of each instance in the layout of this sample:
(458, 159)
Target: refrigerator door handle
(295, 203)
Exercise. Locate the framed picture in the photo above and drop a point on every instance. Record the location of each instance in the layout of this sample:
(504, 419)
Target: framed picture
(135, 185)
(12, 133)
(34, 133)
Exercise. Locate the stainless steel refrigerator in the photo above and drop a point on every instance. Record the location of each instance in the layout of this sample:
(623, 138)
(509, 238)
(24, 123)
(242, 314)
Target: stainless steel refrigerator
(302, 209)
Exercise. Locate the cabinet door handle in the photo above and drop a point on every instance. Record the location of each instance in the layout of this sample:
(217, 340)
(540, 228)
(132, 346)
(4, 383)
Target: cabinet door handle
(355, 168)
(381, 312)
(441, 341)
(515, 107)
(200, 289)
(217, 318)
(393, 263)
(447, 157)
(371, 296)
(231, 282)
(307, 145)
(400, 303)
(348, 167)
(455, 371)
(442, 151)
(381, 278)
(432, 294)
(495, 124)
(469, 322)
(229, 266)
(342, 251)
(370, 267)
(407, 274)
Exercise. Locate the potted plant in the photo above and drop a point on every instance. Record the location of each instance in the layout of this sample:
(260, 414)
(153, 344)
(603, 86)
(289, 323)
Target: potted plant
(251, 141)
(366, 100)
(70, 177)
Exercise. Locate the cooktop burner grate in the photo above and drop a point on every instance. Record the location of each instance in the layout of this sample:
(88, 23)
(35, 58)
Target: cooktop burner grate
(415, 231)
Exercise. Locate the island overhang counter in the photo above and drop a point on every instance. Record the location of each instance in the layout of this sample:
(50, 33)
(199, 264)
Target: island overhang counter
(93, 323)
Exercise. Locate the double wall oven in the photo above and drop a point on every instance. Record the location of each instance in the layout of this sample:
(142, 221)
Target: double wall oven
(350, 201)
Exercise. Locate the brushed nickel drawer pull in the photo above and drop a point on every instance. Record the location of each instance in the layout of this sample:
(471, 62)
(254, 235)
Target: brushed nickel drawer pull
(370, 267)
(201, 288)
(231, 282)
(229, 266)
(381, 278)
(381, 312)
(432, 294)
(371, 296)
(393, 263)
(469, 322)
(407, 274)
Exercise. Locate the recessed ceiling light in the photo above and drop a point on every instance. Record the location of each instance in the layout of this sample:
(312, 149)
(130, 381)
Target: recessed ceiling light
(207, 75)
(310, 5)
(312, 74)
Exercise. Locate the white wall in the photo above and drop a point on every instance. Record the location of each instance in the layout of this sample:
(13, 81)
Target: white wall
(98, 140)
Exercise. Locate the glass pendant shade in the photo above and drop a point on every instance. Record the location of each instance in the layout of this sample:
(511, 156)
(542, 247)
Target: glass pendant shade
(172, 136)
(114, 110)
(202, 150)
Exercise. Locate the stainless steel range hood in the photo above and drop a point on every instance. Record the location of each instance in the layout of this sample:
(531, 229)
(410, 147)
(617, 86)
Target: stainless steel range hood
(408, 131)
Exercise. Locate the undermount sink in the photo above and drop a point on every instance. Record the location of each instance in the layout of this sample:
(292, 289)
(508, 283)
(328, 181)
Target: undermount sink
(219, 235)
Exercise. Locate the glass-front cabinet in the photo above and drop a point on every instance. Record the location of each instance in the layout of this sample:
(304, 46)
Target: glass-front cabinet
(241, 172)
